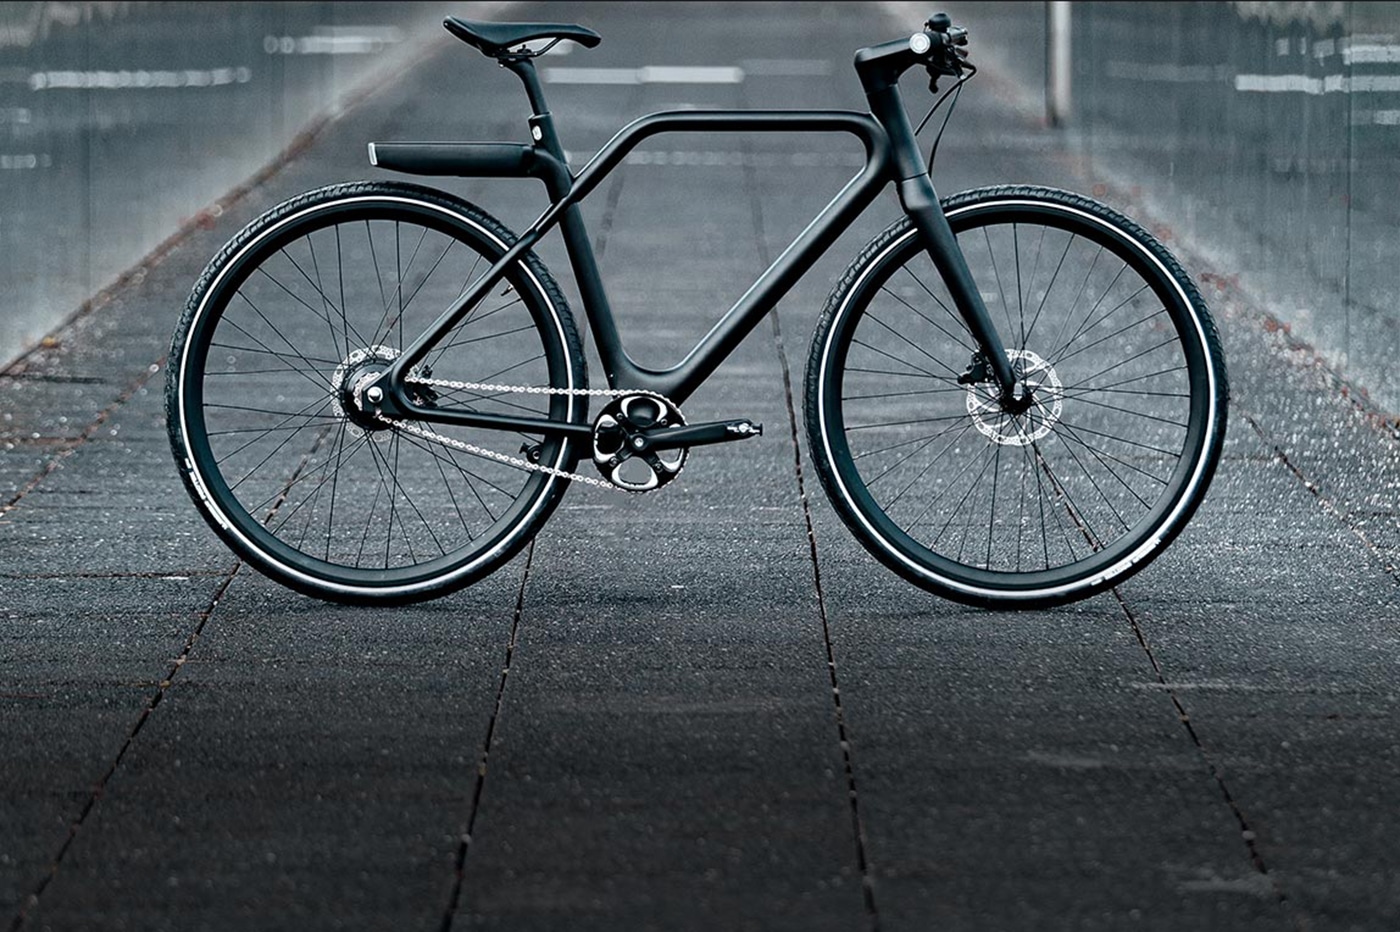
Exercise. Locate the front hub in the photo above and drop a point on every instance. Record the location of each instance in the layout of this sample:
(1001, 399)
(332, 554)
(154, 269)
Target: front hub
(1026, 414)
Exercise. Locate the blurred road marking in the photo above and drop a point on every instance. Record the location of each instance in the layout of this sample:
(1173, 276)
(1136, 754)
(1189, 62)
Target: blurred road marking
(1375, 118)
(1305, 84)
(1371, 54)
(335, 40)
(650, 74)
(1167, 72)
(123, 80)
(786, 67)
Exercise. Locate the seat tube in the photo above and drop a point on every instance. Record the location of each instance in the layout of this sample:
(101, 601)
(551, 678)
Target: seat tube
(920, 202)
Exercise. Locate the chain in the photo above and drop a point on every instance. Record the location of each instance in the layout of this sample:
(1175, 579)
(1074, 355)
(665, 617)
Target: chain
(482, 387)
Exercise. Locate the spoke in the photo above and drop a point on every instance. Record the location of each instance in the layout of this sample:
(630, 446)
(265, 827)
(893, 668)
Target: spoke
(344, 318)
(322, 315)
(1040, 498)
(489, 336)
(279, 333)
(411, 504)
(1068, 434)
(326, 304)
(1097, 488)
(374, 260)
(902, 362)
(931, 323)
(478, 397)
(1020, 306)
(917, 420)
(1124, 391)
(903, 459)
(1030, 285)
(904, 443)
(997, 272)
(1084, 330)
(962, 501)
(465, 282)
(931, 463)
(1069, 241)
(1151, 417)
(917, 347)
(286, 490)
(1151, 349)
(905, 375)
(1137, 378)
(957, 318)
(1134, 443)
(450, 244)
(263, 461)
(1072, 434)
(1069, 313)
(422, 445)
(281, 425)
(996, 473)
(1101, 340)
(1020, 520)
(928, 506)
(263, 349)
(335, 482)
(452, 496)
(920, 391)
(322, 400)
(374, 505)
(1075, 512)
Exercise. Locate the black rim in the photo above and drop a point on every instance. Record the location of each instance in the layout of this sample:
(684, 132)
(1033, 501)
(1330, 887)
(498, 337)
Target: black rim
(292, 324)
(1052, 496)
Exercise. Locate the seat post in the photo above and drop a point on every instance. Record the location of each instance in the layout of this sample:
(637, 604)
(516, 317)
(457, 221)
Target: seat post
(541, 122)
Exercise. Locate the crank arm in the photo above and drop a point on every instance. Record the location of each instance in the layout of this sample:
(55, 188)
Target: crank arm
(697, 435)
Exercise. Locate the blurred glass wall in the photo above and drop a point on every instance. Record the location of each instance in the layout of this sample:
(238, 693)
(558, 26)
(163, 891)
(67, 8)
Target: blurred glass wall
(121, 120)
(1269, 132)
(1273, 129)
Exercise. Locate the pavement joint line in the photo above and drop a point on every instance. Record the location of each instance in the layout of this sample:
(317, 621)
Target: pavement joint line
(867, 879)
(74, 444)
(161, 688)
(1343, 517)
(464, 843)
(1247, 833)
(167, 575)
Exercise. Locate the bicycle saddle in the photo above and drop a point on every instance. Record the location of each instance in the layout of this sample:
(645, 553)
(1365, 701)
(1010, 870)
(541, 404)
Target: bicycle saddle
(495, 38)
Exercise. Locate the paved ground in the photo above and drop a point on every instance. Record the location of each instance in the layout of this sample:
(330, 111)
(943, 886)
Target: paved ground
(634, 724)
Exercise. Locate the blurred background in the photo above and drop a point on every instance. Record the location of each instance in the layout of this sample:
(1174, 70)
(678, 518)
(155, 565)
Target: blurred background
(1263, 134)
(120, 122)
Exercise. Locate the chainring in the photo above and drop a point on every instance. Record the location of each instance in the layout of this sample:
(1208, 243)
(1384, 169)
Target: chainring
(619, 425)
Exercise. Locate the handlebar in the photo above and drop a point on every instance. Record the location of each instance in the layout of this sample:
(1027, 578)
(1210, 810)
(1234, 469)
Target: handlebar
(940, 47)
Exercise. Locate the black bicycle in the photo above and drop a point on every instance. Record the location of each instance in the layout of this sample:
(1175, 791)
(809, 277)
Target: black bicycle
(1015, 397)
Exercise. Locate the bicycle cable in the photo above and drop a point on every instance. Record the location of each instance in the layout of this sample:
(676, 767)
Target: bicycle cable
(956, 90)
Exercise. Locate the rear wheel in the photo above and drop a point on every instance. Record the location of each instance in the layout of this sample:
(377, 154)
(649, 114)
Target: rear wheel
(301, 308)
(998, 506)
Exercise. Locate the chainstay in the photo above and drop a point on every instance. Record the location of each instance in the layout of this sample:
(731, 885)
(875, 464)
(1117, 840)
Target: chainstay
(482, 387)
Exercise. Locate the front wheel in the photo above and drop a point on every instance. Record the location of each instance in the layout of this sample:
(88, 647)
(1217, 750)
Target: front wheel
(302, 308)
(1022, 506)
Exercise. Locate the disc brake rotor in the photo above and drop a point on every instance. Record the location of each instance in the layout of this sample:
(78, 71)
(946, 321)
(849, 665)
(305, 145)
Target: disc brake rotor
(1037, 421)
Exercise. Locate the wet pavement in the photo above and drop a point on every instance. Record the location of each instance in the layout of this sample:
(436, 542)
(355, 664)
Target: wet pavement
(707, 708)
